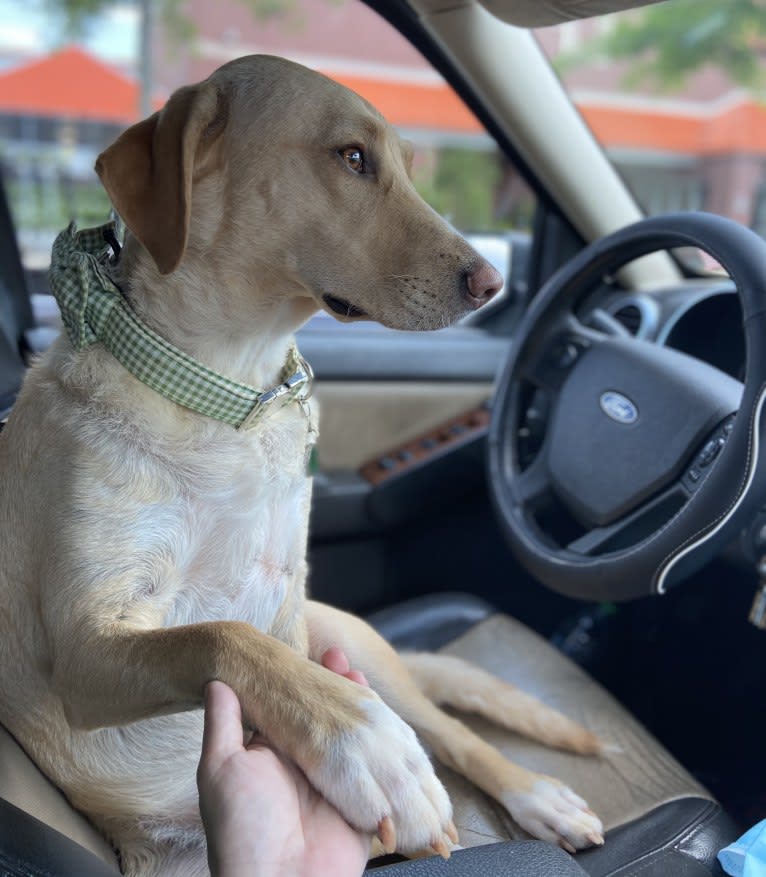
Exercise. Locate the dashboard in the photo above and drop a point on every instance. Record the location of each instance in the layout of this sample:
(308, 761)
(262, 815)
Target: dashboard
(704, 321)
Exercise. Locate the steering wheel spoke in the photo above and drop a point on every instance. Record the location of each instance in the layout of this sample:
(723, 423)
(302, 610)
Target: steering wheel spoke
(549, 362)
(534, 483)
(634, 527)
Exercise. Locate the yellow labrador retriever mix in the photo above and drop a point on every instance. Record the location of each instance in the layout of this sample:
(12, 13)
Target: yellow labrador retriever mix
(148, 548)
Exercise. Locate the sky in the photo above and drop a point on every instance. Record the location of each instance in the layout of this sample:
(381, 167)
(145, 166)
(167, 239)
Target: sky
(26, 27)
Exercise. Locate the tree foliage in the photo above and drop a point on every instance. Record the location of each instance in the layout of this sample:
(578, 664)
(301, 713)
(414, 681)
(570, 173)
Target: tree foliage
(667, 42)
(77, 14)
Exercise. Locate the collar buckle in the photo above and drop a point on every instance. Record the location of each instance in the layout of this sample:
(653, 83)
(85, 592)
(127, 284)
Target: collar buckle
(299, 387)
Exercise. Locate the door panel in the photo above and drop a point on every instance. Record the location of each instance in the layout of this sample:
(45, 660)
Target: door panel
(359, 420)
(378, 388)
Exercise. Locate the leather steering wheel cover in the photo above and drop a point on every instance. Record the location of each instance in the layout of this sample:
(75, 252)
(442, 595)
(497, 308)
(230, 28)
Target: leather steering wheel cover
(733, 489)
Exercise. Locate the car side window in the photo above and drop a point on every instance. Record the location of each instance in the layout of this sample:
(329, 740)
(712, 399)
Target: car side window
(50, 134)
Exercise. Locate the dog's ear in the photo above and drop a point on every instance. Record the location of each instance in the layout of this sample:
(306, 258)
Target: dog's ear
(147, 172)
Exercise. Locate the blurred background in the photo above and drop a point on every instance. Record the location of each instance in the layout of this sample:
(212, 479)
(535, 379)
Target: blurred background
(673, 92)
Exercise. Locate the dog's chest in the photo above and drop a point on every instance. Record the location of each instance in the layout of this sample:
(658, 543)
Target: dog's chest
(241, 543)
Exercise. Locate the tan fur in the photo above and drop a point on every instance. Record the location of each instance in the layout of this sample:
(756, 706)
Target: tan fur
(412, 684)
(453, 682)
(148, 549)
(148, 171)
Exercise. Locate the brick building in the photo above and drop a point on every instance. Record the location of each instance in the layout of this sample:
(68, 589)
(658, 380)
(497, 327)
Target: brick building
(702, 148)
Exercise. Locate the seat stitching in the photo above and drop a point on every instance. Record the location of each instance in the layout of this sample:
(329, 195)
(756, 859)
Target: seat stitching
(22, 867)
(652, 859)
(695, 829)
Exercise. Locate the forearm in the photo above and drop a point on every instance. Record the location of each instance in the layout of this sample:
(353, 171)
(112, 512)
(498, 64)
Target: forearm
(128, 674)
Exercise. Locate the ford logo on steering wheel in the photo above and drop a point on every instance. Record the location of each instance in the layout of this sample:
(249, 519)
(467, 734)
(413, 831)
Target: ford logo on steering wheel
(618, 407)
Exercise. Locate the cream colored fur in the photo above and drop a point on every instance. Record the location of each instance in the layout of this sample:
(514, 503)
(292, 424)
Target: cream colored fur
(147, 549)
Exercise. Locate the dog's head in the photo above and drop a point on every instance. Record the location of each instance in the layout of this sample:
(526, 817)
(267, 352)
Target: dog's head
(294, 179)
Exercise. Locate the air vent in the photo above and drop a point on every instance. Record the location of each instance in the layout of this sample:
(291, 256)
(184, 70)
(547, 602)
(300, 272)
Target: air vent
(631, 317)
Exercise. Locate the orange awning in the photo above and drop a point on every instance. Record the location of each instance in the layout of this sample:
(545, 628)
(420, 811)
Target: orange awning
(70, 84)
(741, 128)
(738, 128)
(411, 105)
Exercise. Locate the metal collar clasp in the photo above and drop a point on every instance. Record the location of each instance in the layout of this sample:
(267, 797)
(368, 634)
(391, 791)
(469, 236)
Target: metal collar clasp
(298, 387)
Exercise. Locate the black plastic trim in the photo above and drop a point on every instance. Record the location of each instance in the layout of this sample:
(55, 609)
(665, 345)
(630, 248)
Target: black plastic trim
(428, 623)
(681, 838)
(373, 353)
(30, 848)
(517, 858)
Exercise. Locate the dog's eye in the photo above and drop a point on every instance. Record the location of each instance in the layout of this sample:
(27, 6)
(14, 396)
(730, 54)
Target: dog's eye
(354, 158)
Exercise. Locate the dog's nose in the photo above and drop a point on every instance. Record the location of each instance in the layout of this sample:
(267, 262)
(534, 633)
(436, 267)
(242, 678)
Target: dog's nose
(482, 282)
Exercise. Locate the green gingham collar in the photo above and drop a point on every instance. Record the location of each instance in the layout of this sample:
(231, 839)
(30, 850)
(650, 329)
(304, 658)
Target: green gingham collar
(94, 309)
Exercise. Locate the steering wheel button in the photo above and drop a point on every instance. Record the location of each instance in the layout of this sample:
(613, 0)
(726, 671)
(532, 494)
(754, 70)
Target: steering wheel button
(565, 355)
(709, 452)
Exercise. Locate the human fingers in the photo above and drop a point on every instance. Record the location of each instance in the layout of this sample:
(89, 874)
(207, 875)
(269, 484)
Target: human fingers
(222, 735)
(335, 659)
(358, 677)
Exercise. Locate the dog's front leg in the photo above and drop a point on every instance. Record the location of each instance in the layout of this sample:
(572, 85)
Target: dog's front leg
(355, 750)
(543, 806)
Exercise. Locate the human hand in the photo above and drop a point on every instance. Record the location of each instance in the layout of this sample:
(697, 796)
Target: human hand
(258, 809)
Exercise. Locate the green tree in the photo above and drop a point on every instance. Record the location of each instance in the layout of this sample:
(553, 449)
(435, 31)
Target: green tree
(667, 42)
(461, 185)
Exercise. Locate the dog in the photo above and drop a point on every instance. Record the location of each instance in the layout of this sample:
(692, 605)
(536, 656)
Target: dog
(149, 548)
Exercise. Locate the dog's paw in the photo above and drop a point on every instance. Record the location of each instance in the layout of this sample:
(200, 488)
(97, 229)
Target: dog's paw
(381, 781)
(551, 811)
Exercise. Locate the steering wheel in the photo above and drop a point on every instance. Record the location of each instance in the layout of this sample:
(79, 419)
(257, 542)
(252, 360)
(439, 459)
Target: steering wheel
(618, 467)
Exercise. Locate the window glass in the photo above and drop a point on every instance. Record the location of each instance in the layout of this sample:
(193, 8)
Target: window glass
(61, 102)
(674, 93)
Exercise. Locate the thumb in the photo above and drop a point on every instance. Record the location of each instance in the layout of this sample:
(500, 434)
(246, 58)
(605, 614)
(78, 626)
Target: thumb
(222, 736)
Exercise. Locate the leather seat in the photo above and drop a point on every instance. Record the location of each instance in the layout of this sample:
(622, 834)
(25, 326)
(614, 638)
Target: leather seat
(659, 820)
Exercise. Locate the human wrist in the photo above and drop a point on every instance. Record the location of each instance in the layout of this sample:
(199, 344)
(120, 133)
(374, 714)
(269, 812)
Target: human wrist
(254, 867)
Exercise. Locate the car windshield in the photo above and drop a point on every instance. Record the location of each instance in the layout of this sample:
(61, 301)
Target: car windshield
(674, 94)
(73, 75)
(672, 91)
